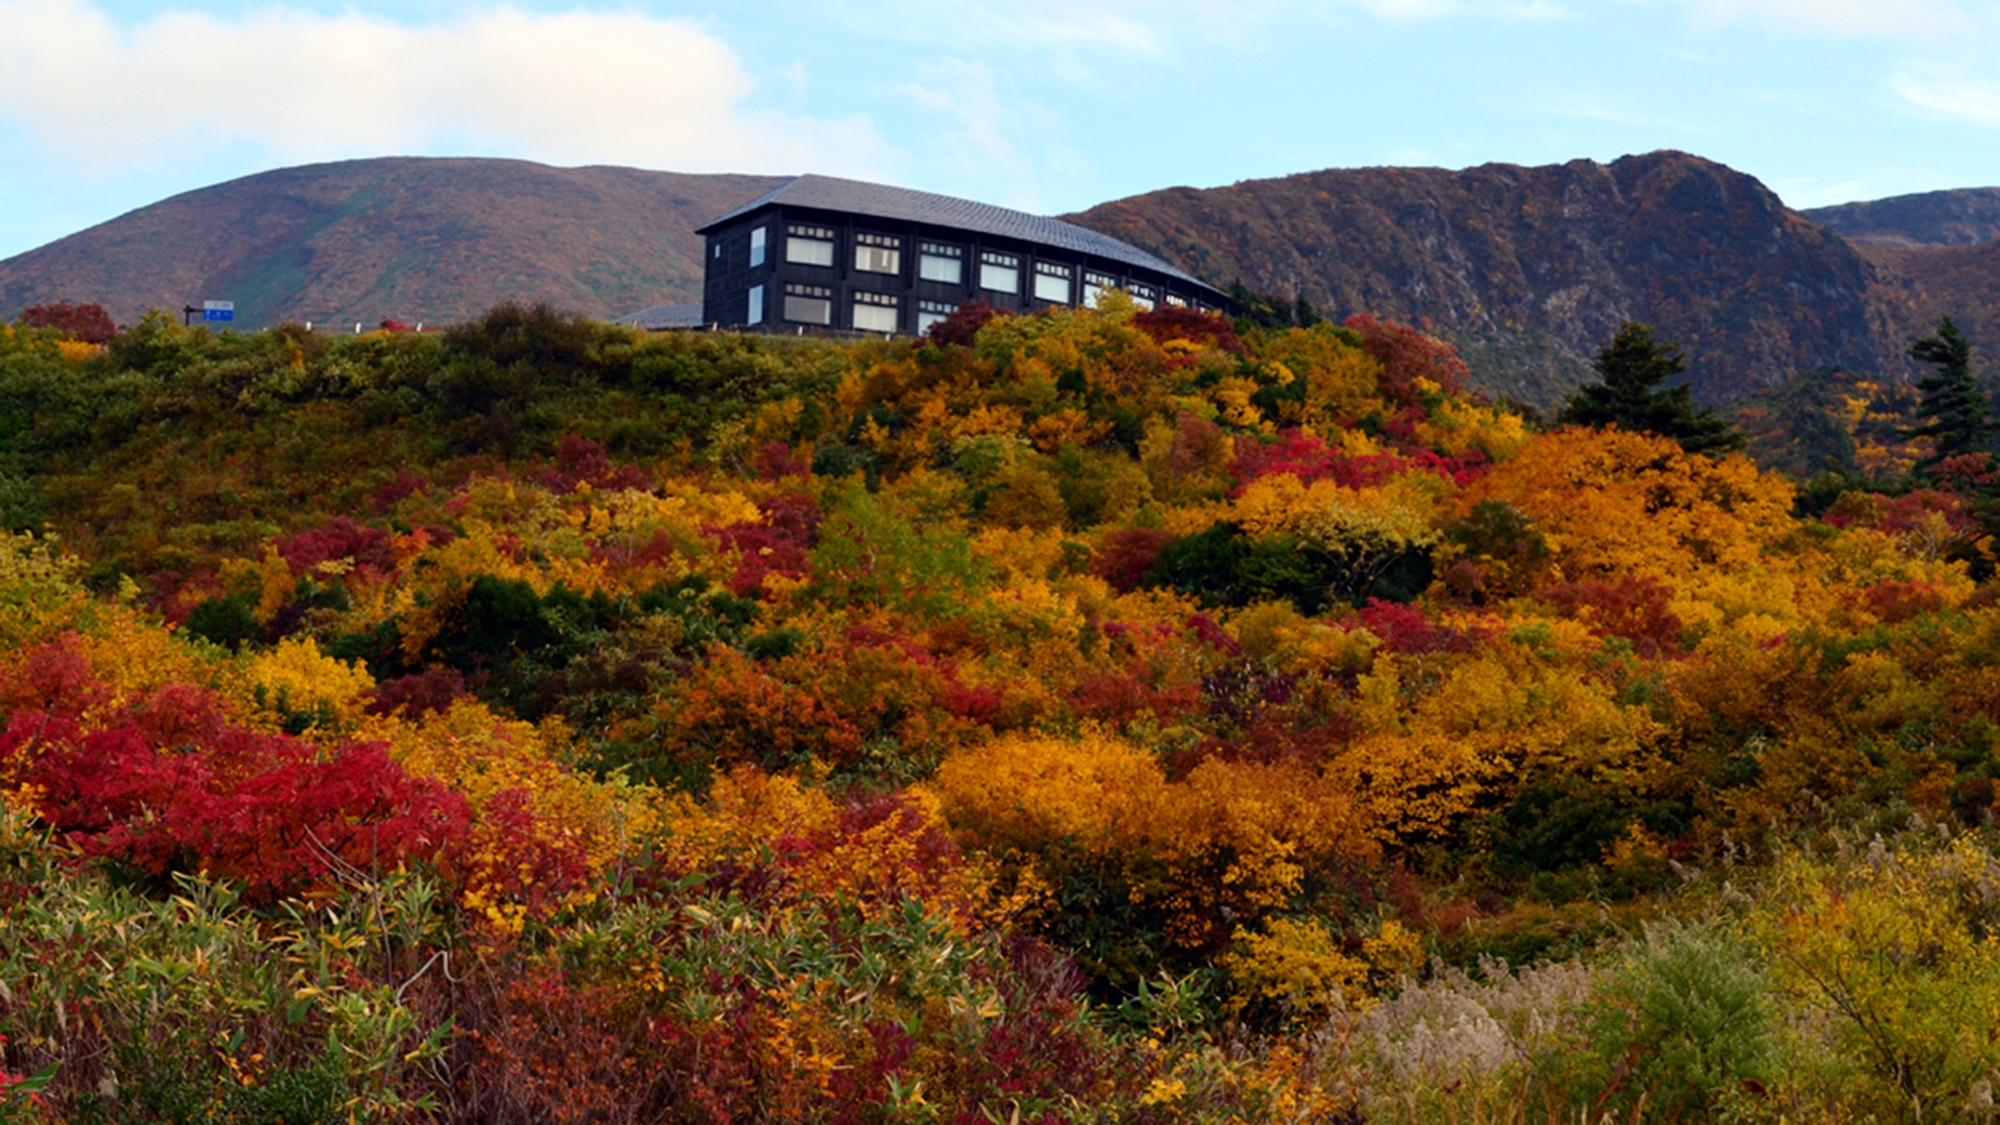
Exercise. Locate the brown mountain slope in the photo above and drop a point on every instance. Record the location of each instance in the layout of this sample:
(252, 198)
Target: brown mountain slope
(417, 239)
(1915, 285)
(1963, 217)
(1529, 270)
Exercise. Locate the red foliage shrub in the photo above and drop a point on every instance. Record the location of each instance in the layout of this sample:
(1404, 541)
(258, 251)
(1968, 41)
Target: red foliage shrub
(1309, 458)
(168, 783)
(782, 544)
(1196, 441)
(774, 460)
(1630, 606)
(180, 716)
(1968, 470)
(582, 461)
(1209, 633)
(1407, 355)
(393, 492)
(1119, 698)
(932, 857)
(423, 693)
(1169, 322)
(1900, 514)
(616, 551)
(1906, 512)
(528, 859)
(962, 326)
(1269, 737)
(89, 323)
(1125, 556)
(1895, 601)
(795, 516)
(265, 810)
(979, 704)
(1405, 629)
(53, 678)
(339, 538)
(761, 551)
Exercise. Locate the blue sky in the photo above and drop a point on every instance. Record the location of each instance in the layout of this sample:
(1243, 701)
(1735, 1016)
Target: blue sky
(1047, 105)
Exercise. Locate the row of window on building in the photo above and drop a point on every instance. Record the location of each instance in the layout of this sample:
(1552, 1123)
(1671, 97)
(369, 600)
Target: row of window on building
(872, 312)
(943, 263)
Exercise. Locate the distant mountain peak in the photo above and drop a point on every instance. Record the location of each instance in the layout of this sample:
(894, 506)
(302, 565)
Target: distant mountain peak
(432, 239)
(1530, 269)
(1960, 217)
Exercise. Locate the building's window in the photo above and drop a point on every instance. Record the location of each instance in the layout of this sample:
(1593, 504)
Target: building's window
(1174, 302)
(930, 312)
(1094, 285)
(938, 262)
(878, 253)
(1143, 295)
(756, 250)
(809, 304)
(874, 312)
(1052, 283)
(809, 246)
(718, 251)
(1000, 272)
(756, 306)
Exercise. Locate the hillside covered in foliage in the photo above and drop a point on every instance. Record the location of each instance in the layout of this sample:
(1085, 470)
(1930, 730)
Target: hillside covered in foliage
(1094, 716)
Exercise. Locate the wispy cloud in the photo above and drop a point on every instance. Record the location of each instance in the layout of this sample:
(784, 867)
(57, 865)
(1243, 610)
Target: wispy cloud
(1895, 18)
(1802, 193)
(576, 87)
(1948, 90)
(1588, 109)
(977, 123)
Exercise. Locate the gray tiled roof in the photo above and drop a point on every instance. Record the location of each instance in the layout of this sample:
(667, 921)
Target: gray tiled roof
(831, 193)
(660, 317)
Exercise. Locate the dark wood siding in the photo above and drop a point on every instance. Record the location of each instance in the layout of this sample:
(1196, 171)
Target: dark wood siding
(730, 275)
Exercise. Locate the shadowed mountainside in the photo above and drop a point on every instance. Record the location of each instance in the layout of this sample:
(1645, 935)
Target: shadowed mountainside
(1529, 270)
(416, 239)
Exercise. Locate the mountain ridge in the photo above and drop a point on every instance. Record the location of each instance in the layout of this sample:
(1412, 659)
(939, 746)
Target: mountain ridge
(1958, 217)
(1528, 269)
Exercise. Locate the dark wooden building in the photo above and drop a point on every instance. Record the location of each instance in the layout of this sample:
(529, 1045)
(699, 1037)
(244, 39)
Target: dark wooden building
(824, 254)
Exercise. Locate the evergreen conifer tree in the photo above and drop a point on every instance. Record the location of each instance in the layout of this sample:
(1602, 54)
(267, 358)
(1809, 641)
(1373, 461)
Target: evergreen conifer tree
(1629, 367)
(1952, 399)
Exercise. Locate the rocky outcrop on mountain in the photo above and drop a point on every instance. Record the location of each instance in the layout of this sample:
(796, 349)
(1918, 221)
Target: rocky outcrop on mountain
(1530, 270)
(409, 238)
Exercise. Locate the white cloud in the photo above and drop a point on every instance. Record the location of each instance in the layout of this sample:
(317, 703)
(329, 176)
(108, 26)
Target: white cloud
(1947, 90)
(575, 87)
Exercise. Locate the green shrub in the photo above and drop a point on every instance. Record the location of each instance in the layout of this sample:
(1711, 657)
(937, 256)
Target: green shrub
(1684, 1019)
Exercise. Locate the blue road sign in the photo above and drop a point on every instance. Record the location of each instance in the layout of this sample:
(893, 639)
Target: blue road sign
(218, 310)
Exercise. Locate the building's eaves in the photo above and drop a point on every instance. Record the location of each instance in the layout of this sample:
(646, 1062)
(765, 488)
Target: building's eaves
(830, 193)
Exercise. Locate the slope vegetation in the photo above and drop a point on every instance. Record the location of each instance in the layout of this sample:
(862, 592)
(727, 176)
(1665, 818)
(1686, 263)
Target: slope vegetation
(1090, 717)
